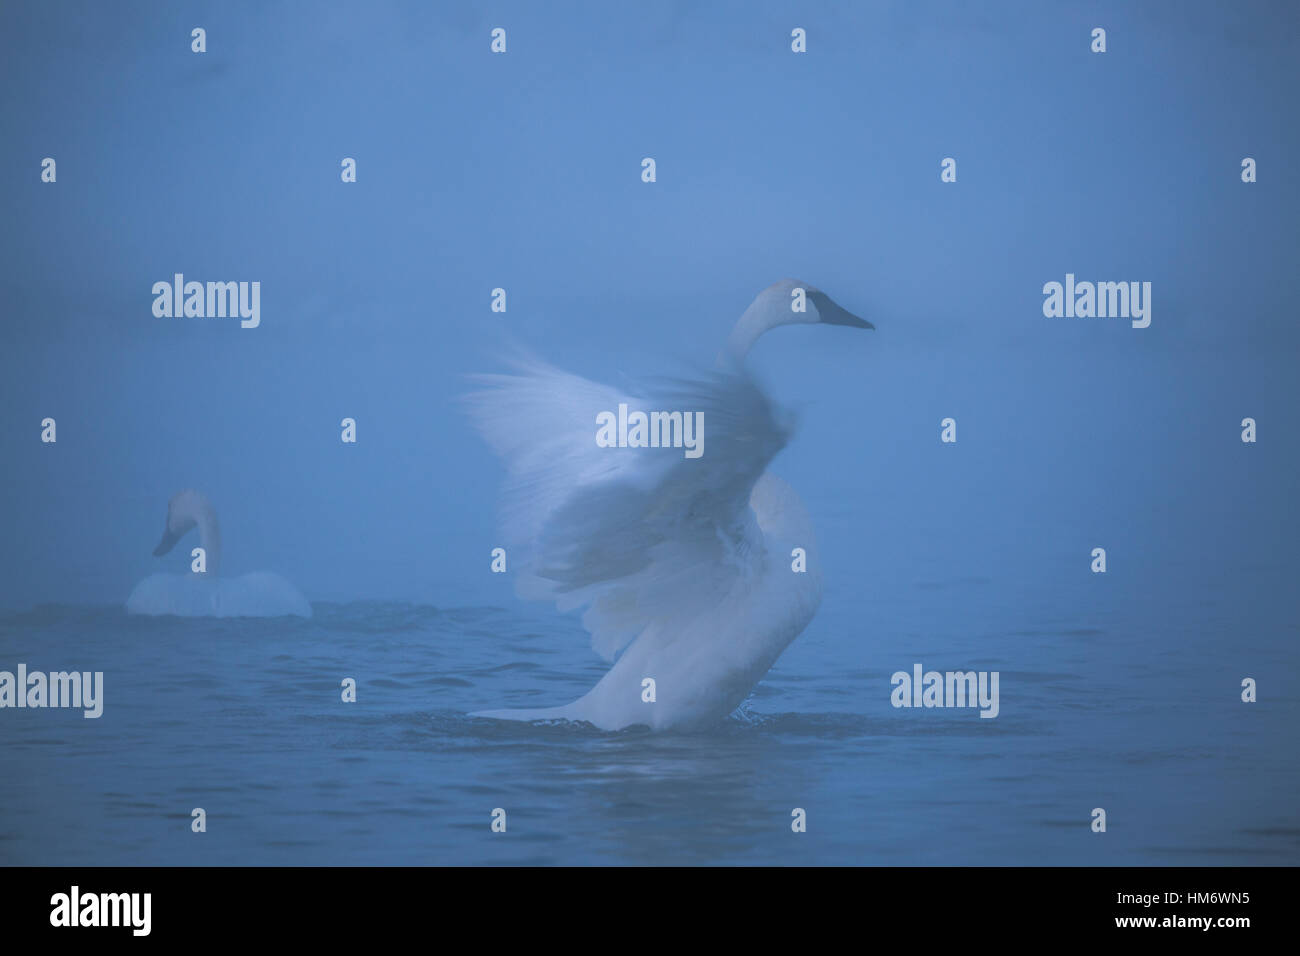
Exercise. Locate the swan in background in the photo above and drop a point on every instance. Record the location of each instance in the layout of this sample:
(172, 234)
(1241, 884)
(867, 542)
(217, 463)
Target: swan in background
(686, 565)
(206, 594)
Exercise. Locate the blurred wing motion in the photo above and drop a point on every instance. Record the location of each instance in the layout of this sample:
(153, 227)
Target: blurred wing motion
(646, 539)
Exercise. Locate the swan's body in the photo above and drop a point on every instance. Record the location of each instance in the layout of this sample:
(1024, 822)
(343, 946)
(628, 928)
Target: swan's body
(206, 594)
(688, 563)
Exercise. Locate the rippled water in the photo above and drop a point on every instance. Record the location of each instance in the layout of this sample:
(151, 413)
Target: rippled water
(244, 719)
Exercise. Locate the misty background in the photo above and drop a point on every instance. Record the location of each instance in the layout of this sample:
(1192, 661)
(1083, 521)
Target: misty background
(522, 171)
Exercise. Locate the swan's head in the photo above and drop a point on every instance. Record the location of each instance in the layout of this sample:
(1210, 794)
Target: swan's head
(788, 302)
(795, 302)
(185, 510)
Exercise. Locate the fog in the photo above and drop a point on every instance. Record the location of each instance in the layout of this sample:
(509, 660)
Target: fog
(523, 171)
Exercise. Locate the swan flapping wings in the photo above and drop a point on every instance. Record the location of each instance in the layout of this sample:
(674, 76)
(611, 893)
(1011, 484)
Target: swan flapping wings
(685, 552)
(644, 538)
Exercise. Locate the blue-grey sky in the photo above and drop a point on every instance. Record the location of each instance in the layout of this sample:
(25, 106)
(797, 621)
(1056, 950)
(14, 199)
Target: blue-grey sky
(522, 171)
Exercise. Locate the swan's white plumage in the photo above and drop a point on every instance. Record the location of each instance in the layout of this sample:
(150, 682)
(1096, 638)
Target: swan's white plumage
(256, 594)
(637, 536)
(683, 564)
(207, 594)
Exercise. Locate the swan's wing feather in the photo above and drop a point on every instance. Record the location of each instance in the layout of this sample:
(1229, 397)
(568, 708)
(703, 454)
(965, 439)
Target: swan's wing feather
(640, 537)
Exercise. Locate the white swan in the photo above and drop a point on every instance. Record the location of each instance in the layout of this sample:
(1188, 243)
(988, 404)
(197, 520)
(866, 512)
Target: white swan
(685, 562)
(205, 594)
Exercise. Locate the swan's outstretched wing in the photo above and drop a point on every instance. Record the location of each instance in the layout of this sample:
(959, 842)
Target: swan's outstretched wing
(641, 537)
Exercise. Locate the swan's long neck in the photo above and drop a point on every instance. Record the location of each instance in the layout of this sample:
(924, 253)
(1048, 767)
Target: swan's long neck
(209, 538)
(763, 314)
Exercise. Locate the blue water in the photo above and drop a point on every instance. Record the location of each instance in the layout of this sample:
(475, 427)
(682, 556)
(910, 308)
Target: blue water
(244, 718)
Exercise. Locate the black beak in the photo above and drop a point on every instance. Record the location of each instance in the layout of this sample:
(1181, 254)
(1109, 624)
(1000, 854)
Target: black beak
(168, 542)
(832, 314)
